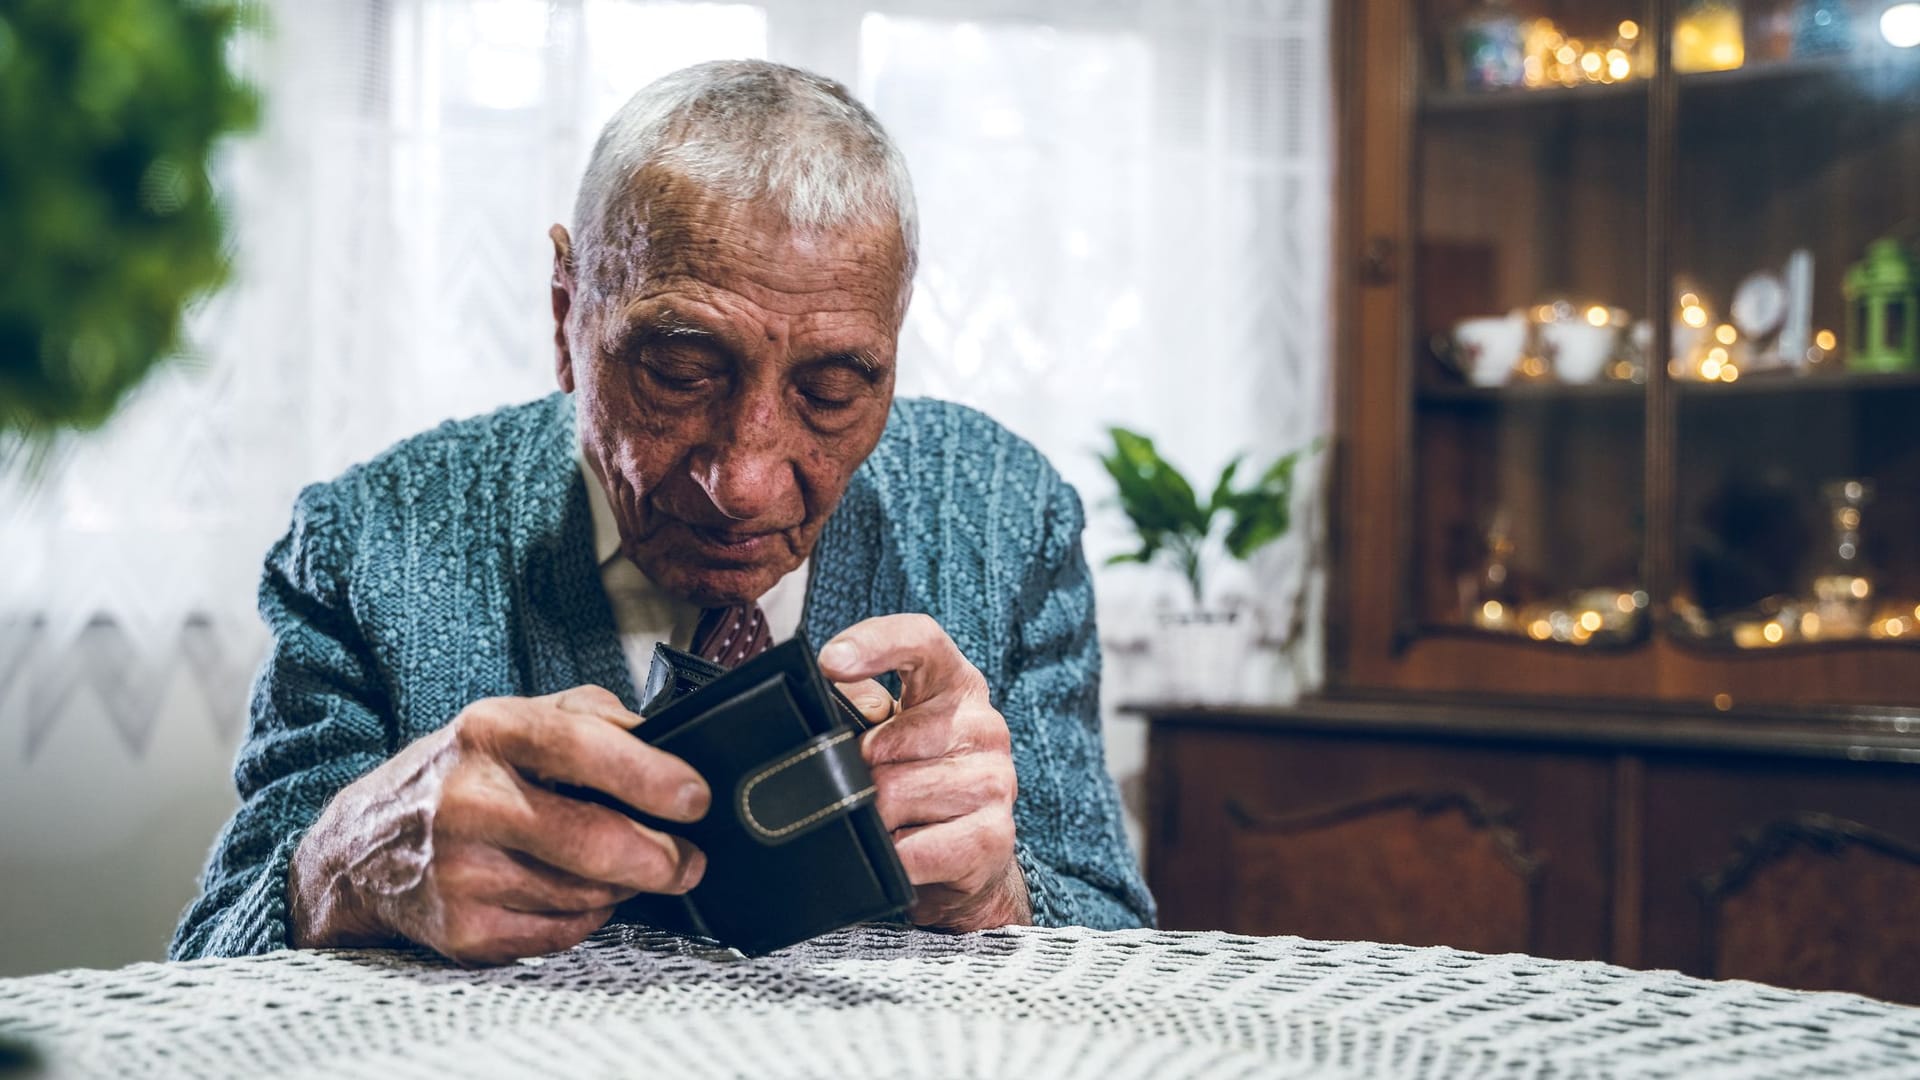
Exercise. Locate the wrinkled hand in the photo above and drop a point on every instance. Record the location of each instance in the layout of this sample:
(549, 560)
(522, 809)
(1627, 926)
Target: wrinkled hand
(943, 767)
(460, 844)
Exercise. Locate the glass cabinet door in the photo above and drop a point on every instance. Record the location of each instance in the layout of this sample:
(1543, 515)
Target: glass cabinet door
(1531, 324)
(1794, 359)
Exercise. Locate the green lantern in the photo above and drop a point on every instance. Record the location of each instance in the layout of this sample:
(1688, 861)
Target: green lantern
(1883, 310)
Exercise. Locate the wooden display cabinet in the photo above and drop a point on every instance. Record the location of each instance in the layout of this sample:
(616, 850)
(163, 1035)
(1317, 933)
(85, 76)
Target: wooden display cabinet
(1626, 617)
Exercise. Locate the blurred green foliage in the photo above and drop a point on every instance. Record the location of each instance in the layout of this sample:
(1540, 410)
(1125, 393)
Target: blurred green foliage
(1175, 525)
(108, 224)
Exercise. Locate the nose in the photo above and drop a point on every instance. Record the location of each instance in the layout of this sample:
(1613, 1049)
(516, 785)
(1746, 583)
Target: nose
(746, 468)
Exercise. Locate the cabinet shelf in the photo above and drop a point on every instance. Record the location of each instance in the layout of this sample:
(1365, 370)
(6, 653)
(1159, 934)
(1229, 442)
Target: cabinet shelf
(1440, 395)
(1881, 76)
(1782, 384)
(1438, 103)
(1529, 395)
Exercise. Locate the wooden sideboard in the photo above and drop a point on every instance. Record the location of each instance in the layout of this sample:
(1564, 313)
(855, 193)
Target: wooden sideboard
(1584, 700)
(1782, 847)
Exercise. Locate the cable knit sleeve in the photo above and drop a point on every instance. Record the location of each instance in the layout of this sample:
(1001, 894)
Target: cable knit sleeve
(1070, 841)
(315, 724)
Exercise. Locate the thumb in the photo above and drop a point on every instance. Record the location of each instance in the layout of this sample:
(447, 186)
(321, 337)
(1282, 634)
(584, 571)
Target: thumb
(870, 698)
(914, 645)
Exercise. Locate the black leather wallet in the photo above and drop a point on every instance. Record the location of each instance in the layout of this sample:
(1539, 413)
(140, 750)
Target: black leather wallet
(794, 843)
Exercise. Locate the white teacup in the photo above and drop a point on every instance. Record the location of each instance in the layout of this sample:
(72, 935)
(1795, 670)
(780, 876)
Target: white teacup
(1488, 349)
(1579, 351)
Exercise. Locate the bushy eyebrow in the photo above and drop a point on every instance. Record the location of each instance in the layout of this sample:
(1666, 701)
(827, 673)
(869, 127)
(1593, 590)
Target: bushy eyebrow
(668, 324)
(860, 360)
(672, 324)
(665, 325)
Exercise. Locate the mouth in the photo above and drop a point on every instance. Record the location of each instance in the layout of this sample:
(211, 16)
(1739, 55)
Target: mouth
(734, 544)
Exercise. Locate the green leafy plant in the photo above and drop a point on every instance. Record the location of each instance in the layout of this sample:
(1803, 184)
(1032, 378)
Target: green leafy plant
(1176, 527)
(109, 110)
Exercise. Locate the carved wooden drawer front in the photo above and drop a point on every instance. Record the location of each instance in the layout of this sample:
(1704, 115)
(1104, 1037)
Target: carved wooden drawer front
(1802, 875)
(1818, 901)
(1774, 859)
(1420, 868)
(1344, 838)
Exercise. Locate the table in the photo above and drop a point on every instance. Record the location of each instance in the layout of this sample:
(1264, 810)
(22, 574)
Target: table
(888, 1001)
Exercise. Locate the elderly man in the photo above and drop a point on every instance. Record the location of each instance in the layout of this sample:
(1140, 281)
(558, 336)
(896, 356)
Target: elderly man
(459, 624)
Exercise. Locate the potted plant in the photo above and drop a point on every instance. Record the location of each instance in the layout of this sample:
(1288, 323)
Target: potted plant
(109, 111)
(1203, 647)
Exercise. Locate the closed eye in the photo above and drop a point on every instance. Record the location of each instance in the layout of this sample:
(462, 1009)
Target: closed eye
(837, 382)
(827, 402)
(680, 366)
(677, 381)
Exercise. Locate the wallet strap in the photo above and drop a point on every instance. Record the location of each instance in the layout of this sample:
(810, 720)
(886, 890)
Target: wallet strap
(823, 780)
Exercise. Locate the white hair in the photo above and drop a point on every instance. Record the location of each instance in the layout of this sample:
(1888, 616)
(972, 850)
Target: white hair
(753, 131)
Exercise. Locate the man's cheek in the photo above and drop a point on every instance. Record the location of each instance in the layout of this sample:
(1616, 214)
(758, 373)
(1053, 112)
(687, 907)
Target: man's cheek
(840, 453)
(651, 441)
(825, 476)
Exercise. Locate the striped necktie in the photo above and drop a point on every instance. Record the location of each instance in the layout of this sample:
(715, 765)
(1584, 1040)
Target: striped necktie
(730, 636)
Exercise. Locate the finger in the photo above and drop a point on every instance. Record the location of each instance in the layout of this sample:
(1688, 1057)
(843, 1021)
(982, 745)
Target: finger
(481, 934)
(870, 698)
(945, 726)
(595, 701)
(555, 745)
(913, 645)
(582, 838)
(519, 882)
(965, 853)
(922, 733)
(918, 793)
(594, 842)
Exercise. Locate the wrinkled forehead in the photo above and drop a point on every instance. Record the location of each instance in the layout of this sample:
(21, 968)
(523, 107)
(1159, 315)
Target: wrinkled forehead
(666, 225)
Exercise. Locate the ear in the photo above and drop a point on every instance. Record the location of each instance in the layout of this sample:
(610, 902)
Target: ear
(562, 286)
(906, 301)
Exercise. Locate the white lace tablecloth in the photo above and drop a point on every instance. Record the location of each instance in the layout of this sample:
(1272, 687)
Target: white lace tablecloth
(888, 1002)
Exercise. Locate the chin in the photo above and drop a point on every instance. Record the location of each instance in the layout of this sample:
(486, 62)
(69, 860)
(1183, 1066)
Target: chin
(710, 586)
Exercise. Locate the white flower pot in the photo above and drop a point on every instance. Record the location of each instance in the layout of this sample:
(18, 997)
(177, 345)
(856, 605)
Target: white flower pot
(1201, 656)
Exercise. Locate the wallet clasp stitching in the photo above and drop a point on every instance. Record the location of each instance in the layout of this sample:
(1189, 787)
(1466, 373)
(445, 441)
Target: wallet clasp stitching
(746, 791)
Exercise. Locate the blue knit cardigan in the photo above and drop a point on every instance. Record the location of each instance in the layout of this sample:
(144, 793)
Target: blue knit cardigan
(459, 565)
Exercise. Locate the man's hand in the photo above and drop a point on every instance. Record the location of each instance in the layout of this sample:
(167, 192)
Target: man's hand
(460, 844)
(943, 767)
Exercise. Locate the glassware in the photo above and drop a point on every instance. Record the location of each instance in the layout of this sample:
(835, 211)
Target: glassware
(1822, 28)
(1490, 48)
(1708, 37)
(1843, 589)
(1491, 601)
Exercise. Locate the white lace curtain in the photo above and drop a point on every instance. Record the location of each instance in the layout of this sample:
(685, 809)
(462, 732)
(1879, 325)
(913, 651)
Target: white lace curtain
(1125, 215)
